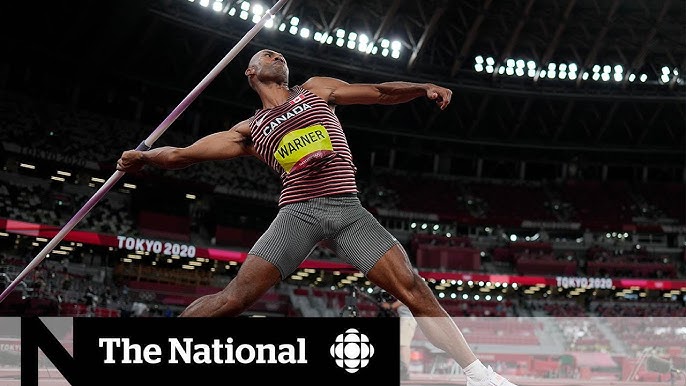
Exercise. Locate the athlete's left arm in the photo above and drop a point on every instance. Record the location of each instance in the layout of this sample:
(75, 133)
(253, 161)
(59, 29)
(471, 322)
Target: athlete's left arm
(338, 92)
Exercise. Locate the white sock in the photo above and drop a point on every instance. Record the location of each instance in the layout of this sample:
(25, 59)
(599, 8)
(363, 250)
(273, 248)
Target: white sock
(476, 371)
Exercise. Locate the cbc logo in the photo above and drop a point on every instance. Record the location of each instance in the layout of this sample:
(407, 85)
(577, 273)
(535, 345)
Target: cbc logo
(352, 350)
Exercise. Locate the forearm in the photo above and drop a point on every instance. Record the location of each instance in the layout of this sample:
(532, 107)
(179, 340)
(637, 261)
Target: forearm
(400, 92)
(166, 157)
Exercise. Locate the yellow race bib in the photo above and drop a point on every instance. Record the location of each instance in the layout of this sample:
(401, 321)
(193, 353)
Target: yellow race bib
(300, 143)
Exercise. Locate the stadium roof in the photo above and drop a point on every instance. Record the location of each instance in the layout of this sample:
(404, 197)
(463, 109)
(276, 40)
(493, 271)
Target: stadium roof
(524, 102)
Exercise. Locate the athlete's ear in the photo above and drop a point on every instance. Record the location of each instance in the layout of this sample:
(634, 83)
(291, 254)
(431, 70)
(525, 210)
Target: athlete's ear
(250, 71)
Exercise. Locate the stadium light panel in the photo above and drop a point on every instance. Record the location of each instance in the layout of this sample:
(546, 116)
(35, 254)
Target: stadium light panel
(584, 76)
(305, 33)
(478, 67)
(232, 11)
(572, 75)
(531, 73)
(531, 65)
(257, 9)
(256, 18)
(596, 68)
(490, 61)
(520, 63)
(217, 6)
(551, 74)
(509, 70)
(269, 23)
(363, 39)
(605, 77)
(501, 70)
(384, 52)
(395, 54)
(244, 15)
(329, 40)
(618, 77)
(665, 70)
(519, 72)
(632, 77)
(245, 6)
(352, 36)
(351, 44)
(295, 21)
(489, 69)
(664, 78)
(619, 69)
(293, 30)
(644, 77)
(479, 59)
(205, 3)
(551, 66)
(362, 47)
(510, 63)
(675, 72)
(395, 46)
(385, 43)
(573, 67)
(596, 76)
(542, 74)
(562, 75)
(318, 36)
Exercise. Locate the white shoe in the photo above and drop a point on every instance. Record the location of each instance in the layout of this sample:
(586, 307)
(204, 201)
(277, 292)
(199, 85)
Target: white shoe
(493, 379)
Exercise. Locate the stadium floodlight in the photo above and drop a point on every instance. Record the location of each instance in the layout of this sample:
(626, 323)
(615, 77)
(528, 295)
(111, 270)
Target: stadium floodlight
(519, 71)
(489, 69)
(340, 33)
(305, 33)
(282, 27)
(501, 70)
(509, 70)
(618, 77)
(675, 72)
(490, 61)
(572, 67)
(510, 63)
(606, 69)
(520, 63)
(205, 3)
(384, 52)
(542, 74)
(478, 67)
(256, 18)
(318, 36)
(362, 47)
(664, 78)
(329, 40)
(293, 30)
(665, 70)
(531, 73)
(596, 68)
(232, 11)
(619, 69)
(363, 39)
(295, 20)
(244, 15)
(584, 76)
(562, 75)
(217, 6)
(572, 75)
(551, 66)
(258, 9)
(563, 67)
(352, 36)
(596, 76)
(395, 46)
(351, 44)
(643, 78)
(632, 77)
(551, 74)
(479, 59)
(605, 77)
(395, 54)
(385, 43)
(245, 6)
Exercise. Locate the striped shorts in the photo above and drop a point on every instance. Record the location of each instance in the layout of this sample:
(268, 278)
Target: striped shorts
(354, 234)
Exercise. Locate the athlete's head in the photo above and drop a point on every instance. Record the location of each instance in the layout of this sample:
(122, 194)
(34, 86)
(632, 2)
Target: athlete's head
(267, 66)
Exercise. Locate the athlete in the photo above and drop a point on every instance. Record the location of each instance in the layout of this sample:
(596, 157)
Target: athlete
(299, 136)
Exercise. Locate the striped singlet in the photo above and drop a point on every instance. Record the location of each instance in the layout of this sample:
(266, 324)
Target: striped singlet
(303, 141)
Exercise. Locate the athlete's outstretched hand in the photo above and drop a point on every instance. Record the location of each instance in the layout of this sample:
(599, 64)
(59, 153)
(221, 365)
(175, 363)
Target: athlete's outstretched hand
(130, 161)
(441, 95)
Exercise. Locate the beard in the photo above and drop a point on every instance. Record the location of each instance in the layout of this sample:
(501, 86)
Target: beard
(274, 73)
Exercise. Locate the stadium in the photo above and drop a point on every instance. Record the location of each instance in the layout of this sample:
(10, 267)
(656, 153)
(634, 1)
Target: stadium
(545, 206)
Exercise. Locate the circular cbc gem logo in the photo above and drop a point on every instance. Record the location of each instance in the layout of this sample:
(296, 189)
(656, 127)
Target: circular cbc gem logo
(352, 350)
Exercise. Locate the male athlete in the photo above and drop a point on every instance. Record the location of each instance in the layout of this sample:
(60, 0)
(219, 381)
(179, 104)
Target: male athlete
(299, 136)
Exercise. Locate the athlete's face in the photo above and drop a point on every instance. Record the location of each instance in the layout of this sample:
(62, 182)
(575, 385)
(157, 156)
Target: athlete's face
(268, 66)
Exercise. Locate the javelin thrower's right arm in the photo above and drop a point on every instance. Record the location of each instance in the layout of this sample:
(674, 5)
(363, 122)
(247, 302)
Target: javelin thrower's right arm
(222, 145)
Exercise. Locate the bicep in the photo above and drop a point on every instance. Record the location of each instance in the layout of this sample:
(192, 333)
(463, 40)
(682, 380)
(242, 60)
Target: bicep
(222, 145)
(337, 92)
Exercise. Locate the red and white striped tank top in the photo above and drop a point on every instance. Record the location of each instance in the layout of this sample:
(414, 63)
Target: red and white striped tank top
(303, 141)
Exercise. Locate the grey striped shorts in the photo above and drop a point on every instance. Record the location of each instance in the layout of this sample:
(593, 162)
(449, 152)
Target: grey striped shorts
(354, 234)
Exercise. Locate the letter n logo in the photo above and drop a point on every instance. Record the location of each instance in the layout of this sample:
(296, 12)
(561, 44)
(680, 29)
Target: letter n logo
(35, 334)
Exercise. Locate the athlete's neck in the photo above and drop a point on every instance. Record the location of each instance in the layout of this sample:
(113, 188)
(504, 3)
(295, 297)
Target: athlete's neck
(272, 94)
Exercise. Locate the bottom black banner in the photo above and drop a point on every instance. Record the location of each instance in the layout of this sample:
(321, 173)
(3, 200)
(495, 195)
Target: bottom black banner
(212, 351)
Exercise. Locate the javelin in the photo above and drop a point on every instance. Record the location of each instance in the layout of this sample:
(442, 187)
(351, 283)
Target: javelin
(145, 145)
